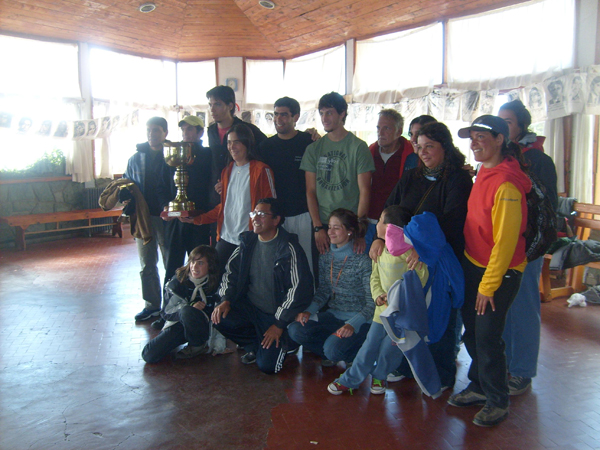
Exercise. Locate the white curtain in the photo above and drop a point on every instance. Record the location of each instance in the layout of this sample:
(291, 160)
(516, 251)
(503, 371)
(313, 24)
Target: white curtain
(309, 77)
(114, 149)
(511, 47)
(125, 84)
(405, 64)
(80, 161)
(194, 80)
(554, 146)
(582, 158)
(264, 83)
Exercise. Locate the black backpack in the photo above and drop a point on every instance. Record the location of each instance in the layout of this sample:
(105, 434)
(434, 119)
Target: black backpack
(541, 221)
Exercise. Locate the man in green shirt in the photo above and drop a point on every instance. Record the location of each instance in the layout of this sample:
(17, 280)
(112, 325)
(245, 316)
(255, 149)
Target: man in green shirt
(338, 171)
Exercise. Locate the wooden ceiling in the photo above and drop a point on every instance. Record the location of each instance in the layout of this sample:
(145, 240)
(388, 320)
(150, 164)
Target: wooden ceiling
(192, 30)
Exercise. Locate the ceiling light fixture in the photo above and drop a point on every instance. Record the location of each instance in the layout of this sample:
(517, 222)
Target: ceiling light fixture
(147, 7)
(268, 4)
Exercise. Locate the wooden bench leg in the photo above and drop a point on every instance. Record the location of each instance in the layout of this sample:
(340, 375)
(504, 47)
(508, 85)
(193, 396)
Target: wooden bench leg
(20, 238)
(545, 287)
(117, 228)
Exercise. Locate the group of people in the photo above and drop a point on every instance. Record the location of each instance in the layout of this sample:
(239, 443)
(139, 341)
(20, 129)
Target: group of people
(371, 255)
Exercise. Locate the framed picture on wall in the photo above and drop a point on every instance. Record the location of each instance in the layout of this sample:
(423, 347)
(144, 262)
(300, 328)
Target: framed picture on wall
(232, 83)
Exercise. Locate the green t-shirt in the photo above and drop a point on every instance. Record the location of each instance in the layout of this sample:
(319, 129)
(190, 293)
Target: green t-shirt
(337, 166)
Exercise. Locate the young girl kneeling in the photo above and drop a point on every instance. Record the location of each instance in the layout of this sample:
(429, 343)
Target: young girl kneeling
(379, 354)
(190, 297)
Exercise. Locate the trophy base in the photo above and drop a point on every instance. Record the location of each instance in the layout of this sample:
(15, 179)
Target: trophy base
(175, 214)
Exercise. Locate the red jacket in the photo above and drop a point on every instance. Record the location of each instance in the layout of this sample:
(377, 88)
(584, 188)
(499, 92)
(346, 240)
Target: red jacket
(386, 175)
(262, 185)
(482, 233)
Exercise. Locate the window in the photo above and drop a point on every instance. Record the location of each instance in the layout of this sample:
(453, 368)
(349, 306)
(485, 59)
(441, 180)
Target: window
(511, 47)
(309, 77)
(35, 68)
(194, 80)
(131, 79)
(264, 83)
(397, 65)
(39, 83)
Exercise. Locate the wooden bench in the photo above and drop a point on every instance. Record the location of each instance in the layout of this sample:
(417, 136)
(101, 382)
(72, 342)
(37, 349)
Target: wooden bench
(585, 221)
(22, 222)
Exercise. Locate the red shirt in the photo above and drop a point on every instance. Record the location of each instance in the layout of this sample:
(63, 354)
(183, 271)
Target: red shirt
(386, 175)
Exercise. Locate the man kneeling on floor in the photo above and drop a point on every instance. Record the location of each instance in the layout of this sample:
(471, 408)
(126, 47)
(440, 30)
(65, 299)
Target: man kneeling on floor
(267, 282)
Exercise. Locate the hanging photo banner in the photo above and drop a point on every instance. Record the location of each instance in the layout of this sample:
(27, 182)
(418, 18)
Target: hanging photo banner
(63, 129)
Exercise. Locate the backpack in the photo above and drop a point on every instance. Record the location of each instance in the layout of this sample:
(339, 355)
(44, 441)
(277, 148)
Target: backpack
(541, 221)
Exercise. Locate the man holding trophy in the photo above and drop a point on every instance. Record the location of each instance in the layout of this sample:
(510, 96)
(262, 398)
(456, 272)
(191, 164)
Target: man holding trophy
(181, 235)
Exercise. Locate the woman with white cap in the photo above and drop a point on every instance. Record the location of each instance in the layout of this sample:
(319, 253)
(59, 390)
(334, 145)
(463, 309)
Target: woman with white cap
(493, 264)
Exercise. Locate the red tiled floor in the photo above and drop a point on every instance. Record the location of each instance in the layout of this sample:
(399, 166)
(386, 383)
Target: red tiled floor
(72, 377)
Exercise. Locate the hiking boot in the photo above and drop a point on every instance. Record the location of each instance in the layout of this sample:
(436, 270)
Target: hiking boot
(336, 388)
(490, 416)
(158, 324)
(377, 386)
(189, 351)
(467, 397)
(395, 376)
(146, 314)
(518, 385)
(249, 358)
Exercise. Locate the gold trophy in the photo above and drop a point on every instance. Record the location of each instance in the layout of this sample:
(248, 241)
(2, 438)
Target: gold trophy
(180, 155)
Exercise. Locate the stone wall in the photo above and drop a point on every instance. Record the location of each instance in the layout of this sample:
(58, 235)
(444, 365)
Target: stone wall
(41, 197)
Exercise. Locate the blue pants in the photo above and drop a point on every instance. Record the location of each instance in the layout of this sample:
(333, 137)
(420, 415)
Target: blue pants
(319, 338)
(245, 325)
(378, 356)
(523, 324)
(193, 327)
(483, 334)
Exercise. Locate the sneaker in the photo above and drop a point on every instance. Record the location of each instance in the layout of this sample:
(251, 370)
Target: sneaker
(377, 386)
(336, 388)
(189, 351)
(146, 314)
(467, 397)
(395, 376)
(518, 385)
(158, 324)
(490, 416)
(328, 363)
(249, 358)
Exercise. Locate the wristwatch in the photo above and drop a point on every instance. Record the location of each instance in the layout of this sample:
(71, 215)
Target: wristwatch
(319, 228)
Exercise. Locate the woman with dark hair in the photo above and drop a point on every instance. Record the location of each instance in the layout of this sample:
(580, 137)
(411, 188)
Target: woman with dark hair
(344, 286)
(493, 264)
(440, 186)
(190, 297)
(415, 125)
(244, 181)
(523, 321)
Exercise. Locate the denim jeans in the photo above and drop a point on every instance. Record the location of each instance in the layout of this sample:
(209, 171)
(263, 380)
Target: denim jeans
(483, 334)
(443, 353)
(523, 324)
(378, 356)
(193, 327)
(318, 337)
(151, 290)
